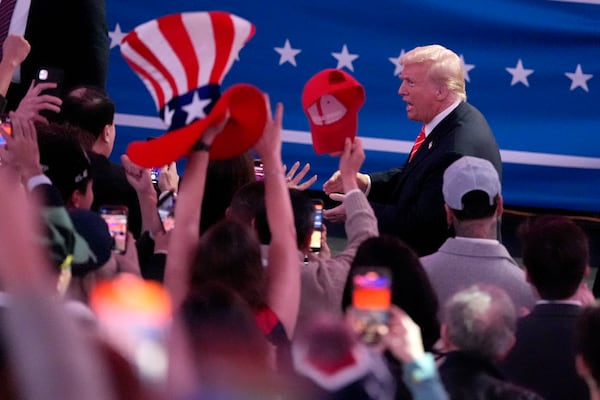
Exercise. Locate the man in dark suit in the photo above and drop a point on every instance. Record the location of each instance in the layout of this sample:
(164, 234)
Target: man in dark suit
(408, 200)
(90, 108)
(67, 35)
(555, 255)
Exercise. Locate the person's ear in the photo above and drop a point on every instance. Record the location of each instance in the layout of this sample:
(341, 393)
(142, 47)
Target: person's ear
(442, 93)
(75, 198)
(449, 215)
(500, 206)
(445, 337)
(106, 133)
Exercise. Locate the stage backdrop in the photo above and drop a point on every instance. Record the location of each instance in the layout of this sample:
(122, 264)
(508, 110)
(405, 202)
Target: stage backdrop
(532, 67)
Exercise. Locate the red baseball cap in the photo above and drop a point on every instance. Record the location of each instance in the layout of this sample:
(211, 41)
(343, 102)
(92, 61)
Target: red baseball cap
(331, 100)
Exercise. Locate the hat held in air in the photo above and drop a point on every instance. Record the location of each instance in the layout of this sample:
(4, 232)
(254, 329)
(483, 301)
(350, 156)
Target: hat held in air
(182, 59)
(331, 99)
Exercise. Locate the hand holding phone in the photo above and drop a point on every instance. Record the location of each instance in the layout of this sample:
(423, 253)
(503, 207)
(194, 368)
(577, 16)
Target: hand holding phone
(371, 299)
(116, 219)
(51, 75)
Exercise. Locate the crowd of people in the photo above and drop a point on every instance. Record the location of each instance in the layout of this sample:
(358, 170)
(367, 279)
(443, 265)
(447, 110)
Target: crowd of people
(228, 301)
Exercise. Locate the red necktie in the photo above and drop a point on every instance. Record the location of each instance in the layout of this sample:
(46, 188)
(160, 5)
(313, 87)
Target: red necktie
(6, 12)
(418, 142)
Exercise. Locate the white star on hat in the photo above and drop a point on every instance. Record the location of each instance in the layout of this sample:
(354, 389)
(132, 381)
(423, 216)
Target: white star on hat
(345, 59)
(519, 74)
(287, 53)
(195, 109)
(116, 36)
(396, 62)
(579, 79)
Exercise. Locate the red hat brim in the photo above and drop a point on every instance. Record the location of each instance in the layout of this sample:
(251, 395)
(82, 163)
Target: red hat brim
(247, 118)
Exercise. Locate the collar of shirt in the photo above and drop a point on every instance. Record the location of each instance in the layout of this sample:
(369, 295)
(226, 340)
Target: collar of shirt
(438, 118)
(572, 302)
(476, 240)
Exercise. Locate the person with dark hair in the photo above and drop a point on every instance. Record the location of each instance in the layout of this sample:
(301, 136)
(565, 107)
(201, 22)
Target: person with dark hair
(219, 346)
(587, 360)
(65, 162)
(555, 254)
(408, 200)
(478, 331)
(322, 276)
(473, 204)
(273, 292)
(90, 108)
(410, 290)
(223, 178)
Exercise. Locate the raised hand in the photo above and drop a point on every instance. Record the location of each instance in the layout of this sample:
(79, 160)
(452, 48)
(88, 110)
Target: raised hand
(34, 101)
(294, 179)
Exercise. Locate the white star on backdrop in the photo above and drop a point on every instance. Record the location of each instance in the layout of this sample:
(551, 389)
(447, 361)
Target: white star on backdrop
(396, 62)
(195, 109)
(579, 79)
(287, 53)
(466, 68)
(519, 74)
(344, 59)
(116, 36)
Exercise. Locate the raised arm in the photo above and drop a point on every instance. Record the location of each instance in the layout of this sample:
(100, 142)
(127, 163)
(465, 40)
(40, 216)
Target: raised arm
(185, 236)
(283, 269)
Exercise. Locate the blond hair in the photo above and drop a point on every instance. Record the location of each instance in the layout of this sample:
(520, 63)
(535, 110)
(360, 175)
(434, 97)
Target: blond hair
(445, 67)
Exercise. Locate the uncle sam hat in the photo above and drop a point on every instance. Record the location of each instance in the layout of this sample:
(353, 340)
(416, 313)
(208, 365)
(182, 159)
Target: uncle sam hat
(331, 99)
(182, 59)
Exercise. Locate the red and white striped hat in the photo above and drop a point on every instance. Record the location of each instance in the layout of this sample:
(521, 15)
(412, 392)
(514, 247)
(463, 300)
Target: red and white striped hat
(182, 59)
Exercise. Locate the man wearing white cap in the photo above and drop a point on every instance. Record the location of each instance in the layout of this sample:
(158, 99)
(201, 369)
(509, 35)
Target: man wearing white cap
(473, 203)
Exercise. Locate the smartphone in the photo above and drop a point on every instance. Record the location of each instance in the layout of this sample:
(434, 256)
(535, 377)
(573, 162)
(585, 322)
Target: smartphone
(116, 219)
(54, 75)
(315, 239)
(259, 171)
(6, 126)
(166, 210)
(154, 174)
(371, 299)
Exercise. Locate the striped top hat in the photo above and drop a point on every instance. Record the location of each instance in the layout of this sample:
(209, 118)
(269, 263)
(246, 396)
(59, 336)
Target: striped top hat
(182, 59)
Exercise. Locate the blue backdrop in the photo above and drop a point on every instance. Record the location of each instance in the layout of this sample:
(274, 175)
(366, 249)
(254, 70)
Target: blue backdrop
(532, 67)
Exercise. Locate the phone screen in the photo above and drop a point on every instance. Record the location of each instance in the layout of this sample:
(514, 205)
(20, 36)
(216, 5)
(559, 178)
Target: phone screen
(116, 219)
(7, 127)
(315, 239)
(166, 211)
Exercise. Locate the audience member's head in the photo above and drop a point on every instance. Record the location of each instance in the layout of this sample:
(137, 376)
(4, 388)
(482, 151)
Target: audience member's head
(480, 320)
(65, 162)
(411, 289)
(471, 190)
(223, 179)
(227, 348)
(555, 253)
(90, 108)
(247, 202)
(229, 254)
(304, 212)
(588, 346)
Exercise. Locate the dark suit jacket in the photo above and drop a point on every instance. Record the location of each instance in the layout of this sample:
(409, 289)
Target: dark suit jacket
(111, 187)
(543, 358)
(67, 34)
(469, 377)
(408, 201)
